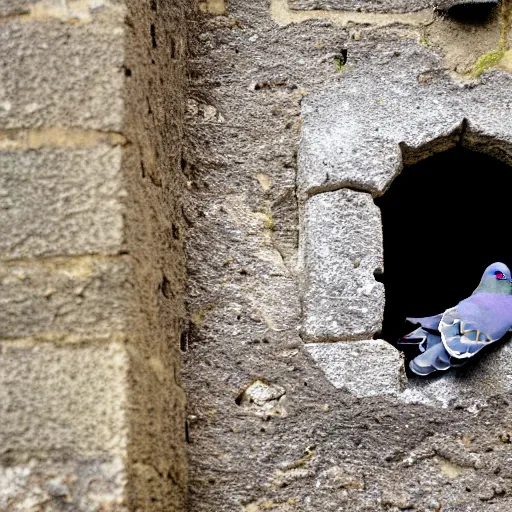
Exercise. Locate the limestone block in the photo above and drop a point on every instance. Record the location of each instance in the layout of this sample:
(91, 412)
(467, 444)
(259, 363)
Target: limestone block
(84, 297)
(364, 368)
(361, 5)
(342, 250)
(63, 11)
(80, 485)
(356, 133)
(54, 74)
(61, 202)
(69, 401)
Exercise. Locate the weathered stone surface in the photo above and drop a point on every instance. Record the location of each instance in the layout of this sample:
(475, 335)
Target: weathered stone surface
(342, 249)
(63, 401)
(355, 134)
(361, 5)
(63, 11)
(82, 485)
(469, 386)
(447, 4)
(85, 297)
(61, 202)
(364, 368)
(79, 85)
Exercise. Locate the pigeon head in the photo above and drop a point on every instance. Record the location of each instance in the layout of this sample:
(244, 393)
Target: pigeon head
(496, 279)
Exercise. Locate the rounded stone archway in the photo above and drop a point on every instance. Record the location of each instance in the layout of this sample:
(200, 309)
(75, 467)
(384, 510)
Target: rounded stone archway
(357, 138)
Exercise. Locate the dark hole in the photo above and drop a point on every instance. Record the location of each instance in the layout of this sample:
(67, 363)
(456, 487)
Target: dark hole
(165, 287)
(142, 169)
(127, 72)
(473, 13)
(154, 5)
(173, 48)
(184, 341)
(343, 56)
(445, 220)
(187, 433)
(153, 36)
(175, 232)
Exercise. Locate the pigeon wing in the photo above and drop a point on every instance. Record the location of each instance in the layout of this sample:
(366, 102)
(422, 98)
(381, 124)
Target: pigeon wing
(475, 323)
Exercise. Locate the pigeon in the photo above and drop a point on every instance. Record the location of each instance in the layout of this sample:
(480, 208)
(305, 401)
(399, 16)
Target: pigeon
(449, 339)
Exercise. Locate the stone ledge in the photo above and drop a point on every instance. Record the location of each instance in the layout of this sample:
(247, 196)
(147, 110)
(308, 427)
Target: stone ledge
(364, 368)
(391, 6)
(376, 368)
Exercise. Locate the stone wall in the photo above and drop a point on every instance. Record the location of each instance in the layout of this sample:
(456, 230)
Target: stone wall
(277, 423)
(92, 266)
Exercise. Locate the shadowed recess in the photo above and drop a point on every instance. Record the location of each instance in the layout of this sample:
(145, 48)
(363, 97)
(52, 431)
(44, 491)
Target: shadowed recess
(444, 220)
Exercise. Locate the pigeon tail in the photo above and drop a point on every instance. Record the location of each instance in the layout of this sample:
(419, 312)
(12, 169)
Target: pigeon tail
(434, 359)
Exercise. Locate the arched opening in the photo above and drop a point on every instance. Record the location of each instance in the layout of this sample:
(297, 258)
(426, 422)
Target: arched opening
(444, 220)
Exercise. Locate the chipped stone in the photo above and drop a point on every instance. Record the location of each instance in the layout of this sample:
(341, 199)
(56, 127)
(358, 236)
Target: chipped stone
(364, 368)
(263, 399)
(342, 249)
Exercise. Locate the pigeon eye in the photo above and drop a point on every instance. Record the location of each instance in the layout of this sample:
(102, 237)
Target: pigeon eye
(500, 275)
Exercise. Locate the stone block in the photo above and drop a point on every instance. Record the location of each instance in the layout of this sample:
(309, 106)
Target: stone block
(63, 401)
(55, 74)
(364, 368)
(391, 6)
(61, 202)
(63, 11)
(342, 246)
(83, 296)
(78, 485)
(359, 132)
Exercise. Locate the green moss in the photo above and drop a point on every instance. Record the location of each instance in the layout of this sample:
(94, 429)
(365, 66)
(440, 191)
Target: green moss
(492, 58)
(339, 66)
(486, 61)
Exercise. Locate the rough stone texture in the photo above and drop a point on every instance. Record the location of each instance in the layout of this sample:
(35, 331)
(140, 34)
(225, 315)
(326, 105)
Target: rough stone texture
(52, 398)
(156, 84)
(86, 296)
(80, 83)
(64, 11)
(60, 202)
(361, 5)
(52, 485)
(352, 366)
(356, 133)
(67, 406)
(447, 4)
(104, 265)
(342, 249)
(332, 452)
